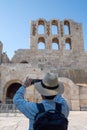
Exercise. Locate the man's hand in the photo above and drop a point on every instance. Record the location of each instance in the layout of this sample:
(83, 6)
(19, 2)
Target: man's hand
(27, 82)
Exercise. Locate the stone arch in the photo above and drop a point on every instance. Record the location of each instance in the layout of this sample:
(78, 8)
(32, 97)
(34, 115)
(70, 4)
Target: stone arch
(41, 22)
(54, 27)
(71, 93)
(41, 43)
(41, 26)
(9, 90)
(41, 39)
(68, 44)
(55, 43)
(66, 27)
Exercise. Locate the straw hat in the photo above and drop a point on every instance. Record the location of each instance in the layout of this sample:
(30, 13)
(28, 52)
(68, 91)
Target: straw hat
(49, 85)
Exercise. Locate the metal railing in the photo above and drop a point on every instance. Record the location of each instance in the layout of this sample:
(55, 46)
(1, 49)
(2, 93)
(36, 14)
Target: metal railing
(8, 110)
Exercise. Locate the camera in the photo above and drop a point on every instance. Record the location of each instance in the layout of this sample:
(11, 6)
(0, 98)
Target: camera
(36, 80)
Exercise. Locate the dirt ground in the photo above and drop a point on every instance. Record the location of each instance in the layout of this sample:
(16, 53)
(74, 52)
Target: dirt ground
(77, 121)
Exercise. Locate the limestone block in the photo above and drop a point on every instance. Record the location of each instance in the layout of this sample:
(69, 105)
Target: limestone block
(75, 93)
(83, 103)
(83, 96)
(83, 90)
(75, 105)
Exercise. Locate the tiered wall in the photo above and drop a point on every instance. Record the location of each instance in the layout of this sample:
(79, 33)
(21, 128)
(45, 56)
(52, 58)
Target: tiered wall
(60, 51)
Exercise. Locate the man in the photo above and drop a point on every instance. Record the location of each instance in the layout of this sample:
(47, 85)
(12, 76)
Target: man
(51, 91)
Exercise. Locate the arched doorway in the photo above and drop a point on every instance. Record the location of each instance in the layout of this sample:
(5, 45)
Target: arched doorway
(11, 91)
(71, 93)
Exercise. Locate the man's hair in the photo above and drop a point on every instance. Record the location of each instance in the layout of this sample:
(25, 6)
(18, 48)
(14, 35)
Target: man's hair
(49, 97)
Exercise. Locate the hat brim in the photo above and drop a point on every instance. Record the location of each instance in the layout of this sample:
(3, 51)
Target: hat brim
(48, 92)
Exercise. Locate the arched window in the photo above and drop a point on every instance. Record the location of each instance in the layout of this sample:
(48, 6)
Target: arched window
(66, 28)
(40, 27)
(54, 27)
(41, 43)
(55, 44)
(68, 44)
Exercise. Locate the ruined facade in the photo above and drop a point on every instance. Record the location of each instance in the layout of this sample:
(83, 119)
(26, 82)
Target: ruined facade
(55, 46)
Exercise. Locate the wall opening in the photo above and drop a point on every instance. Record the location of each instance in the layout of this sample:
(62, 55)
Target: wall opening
(40, 27)
(66, 28)
(41, 43)
(55, 44)
(68, 45)
(54, 27)
(11, 90)
(25, 62)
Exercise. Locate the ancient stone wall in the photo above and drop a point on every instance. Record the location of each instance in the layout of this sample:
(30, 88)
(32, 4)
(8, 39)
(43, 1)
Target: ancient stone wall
(55, 46)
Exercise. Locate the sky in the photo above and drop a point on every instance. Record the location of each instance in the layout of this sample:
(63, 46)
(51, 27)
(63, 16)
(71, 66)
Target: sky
(15, 17)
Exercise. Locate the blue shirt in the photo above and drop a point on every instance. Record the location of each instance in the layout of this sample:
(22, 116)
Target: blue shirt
(29, 109)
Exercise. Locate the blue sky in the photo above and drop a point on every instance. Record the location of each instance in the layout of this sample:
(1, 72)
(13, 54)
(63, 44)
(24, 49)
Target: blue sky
(15, 17)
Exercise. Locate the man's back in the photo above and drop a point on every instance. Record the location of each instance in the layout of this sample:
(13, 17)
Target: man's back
(51, 90)
(29, 109)
(52, 119)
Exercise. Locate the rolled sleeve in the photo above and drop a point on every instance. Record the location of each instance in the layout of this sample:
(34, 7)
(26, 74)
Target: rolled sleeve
(21, 104)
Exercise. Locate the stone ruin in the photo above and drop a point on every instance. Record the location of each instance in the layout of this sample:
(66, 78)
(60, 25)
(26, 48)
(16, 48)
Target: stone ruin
(55, 46)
